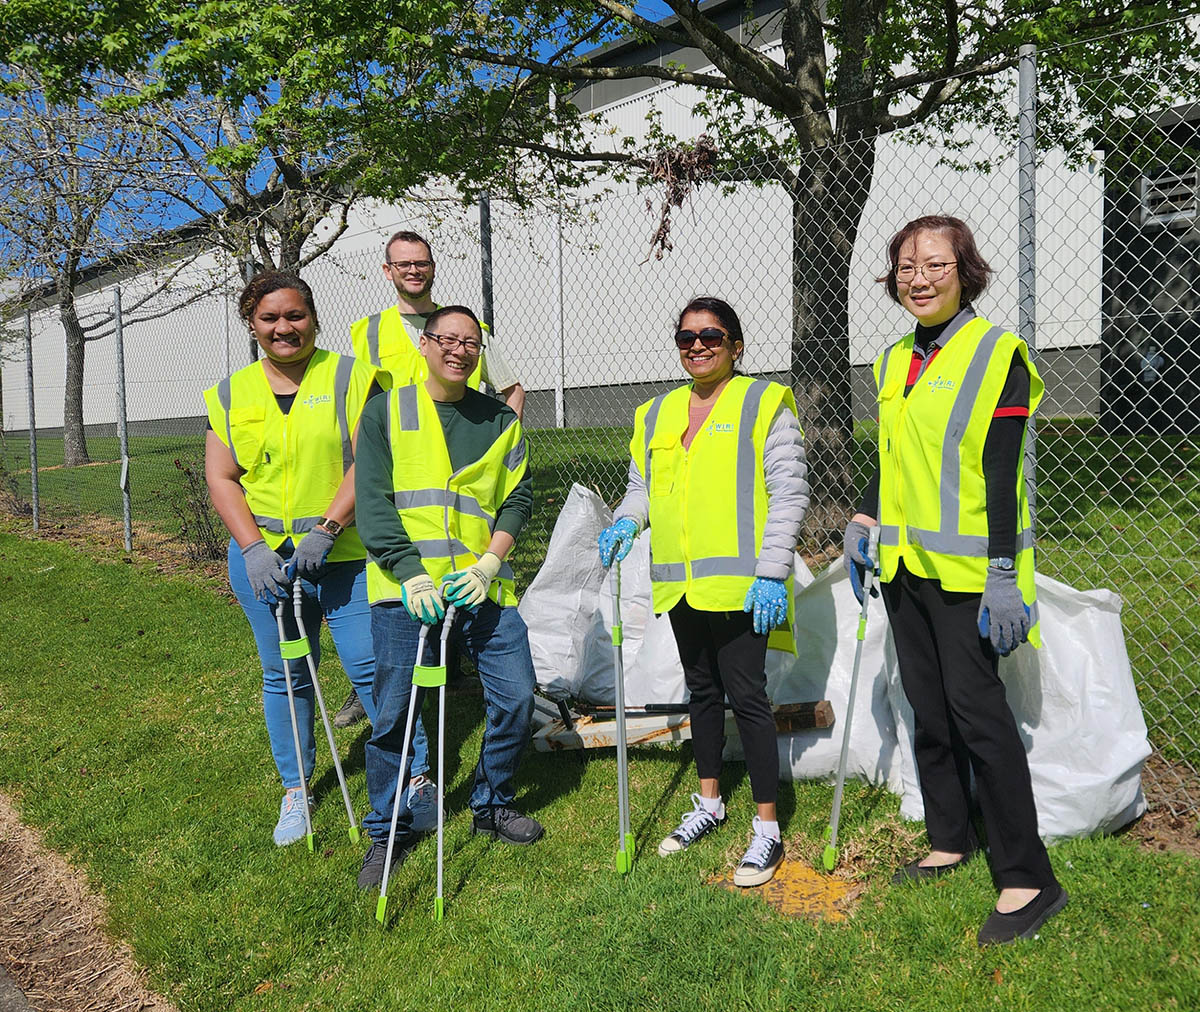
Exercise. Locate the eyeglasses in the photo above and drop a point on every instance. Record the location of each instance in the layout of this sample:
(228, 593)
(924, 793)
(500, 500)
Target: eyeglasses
(710, 337)
(930, 272)
(447, 342)
(403, 265)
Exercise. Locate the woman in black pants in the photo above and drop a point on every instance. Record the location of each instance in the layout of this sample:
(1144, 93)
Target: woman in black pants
(718, 475)
(956, 562)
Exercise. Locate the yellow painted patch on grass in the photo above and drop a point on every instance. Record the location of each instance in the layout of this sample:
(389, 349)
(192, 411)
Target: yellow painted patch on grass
(799, 890)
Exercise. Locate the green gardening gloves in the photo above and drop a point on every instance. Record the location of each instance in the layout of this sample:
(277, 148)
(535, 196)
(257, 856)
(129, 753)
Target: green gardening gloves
(467, 588)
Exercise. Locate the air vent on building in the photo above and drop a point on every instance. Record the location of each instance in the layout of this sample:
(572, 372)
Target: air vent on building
(1171, 198)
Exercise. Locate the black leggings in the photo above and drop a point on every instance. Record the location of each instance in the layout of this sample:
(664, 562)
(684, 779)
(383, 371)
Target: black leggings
(723, 656)
(963, 723)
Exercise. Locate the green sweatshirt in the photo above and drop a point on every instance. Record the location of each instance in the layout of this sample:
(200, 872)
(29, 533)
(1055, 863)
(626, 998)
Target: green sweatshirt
(470, 426)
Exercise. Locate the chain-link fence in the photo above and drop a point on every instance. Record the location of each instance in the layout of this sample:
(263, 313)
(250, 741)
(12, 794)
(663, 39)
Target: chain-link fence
(1096, 253)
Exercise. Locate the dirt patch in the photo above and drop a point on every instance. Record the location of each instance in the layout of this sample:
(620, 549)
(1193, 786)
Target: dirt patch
(52, 941)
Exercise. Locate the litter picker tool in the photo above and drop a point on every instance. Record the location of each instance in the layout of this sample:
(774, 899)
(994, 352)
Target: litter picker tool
(297, 610)
(830, 855)
(289, 650)
(624, 836)
(429, 677)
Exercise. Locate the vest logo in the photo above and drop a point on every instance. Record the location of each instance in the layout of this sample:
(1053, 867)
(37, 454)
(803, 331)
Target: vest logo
(718, 427)
(941, 383)
(312, 400)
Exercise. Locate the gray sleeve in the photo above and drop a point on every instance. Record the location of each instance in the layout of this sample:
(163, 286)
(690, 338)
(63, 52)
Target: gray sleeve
(636, 503)
(786, 476)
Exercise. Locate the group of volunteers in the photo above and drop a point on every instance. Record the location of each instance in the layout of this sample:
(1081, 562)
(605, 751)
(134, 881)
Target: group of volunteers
(389, 508)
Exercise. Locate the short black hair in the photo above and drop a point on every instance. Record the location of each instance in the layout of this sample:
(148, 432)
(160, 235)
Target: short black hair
(432, 319)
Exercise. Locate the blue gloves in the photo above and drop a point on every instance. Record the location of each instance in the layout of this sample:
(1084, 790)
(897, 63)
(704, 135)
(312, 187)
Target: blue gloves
(308, 560)
(855, 557)
(616, 541)
(1003, 616)
(768, 600)
(264, 570)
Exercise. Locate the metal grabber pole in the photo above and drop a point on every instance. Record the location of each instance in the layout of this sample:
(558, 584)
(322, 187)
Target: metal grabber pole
(424, 676)
(624, 836)
(830, 855)
(289, 650)
(297, 610)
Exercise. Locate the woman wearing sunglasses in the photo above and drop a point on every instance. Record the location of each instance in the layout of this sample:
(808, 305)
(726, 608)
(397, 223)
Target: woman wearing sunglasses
(718, 475)
(956, 560)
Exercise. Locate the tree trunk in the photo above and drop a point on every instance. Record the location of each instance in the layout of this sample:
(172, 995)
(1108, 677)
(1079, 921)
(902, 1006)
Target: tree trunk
(75, 450)
(829, 192)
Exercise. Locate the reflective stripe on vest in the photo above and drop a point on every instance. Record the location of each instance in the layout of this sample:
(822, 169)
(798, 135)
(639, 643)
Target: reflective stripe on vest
(373, 338)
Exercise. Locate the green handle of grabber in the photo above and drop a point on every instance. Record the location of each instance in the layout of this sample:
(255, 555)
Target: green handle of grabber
(354, 834)
(439, 908)
(381, 910)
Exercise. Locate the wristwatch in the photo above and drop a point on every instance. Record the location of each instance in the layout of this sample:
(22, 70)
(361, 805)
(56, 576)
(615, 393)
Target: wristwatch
(1002, 562)
(332, 526)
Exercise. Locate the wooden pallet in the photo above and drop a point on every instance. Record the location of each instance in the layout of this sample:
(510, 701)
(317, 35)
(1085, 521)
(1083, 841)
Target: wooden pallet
(599, 730)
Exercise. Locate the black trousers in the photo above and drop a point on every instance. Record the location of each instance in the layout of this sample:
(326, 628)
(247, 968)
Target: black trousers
(723, 656)
(963, 723)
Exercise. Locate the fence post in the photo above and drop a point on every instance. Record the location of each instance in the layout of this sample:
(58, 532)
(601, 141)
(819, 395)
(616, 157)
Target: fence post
(1027, 249)
(485, 244)
(122, 423)
(560, 378)
(33, 464)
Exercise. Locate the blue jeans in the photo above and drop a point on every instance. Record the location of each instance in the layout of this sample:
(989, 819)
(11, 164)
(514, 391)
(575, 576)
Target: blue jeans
(497, 641)
(340, 596)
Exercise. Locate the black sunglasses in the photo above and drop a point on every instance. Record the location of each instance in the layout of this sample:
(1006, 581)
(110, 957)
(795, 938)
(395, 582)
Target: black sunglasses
(710, 337)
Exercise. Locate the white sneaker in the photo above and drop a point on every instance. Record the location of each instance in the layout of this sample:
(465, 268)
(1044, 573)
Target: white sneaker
(292, 825)
(421, 800)
(694, 824)
(762, 860)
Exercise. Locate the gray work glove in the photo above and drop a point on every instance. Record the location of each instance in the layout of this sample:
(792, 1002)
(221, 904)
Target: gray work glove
(1003, 616)
(855, 558)
(308, 560)
(264, 570)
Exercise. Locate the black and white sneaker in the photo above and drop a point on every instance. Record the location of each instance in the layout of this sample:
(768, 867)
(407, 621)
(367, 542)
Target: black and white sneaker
(763, 858)
(694, 824)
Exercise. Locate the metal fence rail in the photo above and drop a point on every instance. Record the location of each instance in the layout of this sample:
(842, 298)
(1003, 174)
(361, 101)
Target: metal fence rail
(1097, 263)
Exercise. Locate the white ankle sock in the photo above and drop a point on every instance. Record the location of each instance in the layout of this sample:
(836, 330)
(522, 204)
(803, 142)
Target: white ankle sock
(711, 805)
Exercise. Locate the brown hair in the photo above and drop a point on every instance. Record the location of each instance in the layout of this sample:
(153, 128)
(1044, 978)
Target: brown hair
(265, 283)
(973, 270)
(404, 235)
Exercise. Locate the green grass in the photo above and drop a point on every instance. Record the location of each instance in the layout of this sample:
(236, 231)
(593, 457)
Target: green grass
(131, 733)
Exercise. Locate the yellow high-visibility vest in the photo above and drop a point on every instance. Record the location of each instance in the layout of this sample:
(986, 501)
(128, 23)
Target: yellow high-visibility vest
(708, 503)
(383, 340)
(293, 463)
(932, 495)
(448, 515)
